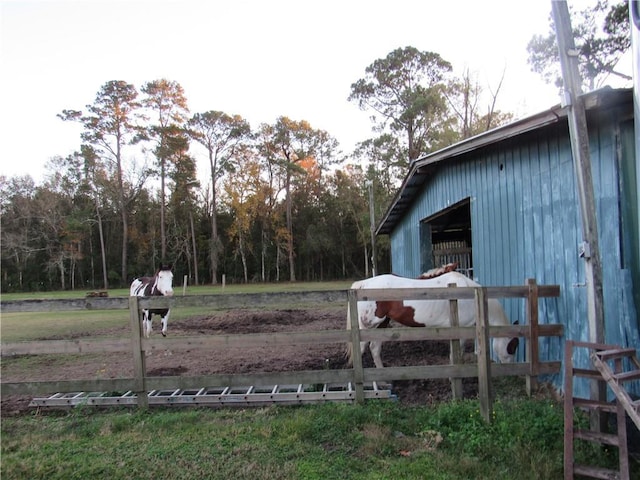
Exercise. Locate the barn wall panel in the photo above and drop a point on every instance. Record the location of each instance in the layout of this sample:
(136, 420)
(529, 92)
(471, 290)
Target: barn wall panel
(526, 224)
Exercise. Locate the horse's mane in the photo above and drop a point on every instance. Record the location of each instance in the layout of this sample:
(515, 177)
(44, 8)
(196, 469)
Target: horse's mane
(436, 272)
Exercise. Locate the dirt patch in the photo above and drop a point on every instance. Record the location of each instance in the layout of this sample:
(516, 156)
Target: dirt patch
(264, 359)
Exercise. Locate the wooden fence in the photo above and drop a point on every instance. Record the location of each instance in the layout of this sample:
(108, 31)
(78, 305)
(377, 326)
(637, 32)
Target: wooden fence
(357, 375)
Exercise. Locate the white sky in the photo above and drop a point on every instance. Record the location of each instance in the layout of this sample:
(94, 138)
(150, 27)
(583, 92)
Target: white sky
(257, 58)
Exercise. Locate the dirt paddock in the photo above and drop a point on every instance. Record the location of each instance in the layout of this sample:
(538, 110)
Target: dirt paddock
(203, 362)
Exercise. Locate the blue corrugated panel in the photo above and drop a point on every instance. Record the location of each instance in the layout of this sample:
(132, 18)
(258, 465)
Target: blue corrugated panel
(526, 224)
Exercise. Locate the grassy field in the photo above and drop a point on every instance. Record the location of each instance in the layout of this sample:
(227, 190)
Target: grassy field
(18, 327)
(377, 440)
(196, 290)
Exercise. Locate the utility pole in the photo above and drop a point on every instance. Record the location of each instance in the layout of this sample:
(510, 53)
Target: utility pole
(577, 118)
(374, 262)
(588, 249)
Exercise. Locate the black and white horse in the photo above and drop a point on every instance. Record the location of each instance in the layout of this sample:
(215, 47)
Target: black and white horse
(160, 284)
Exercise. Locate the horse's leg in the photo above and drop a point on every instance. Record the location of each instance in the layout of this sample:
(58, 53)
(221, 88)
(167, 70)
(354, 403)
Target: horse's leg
(376, 351)
(146, 323)
(165, 320)
(376, 347)
(469, 357)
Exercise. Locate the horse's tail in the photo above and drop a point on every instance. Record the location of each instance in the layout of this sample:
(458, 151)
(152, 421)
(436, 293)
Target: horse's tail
(348, 354)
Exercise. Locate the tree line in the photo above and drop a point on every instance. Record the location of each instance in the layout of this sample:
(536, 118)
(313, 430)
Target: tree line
(281, 202)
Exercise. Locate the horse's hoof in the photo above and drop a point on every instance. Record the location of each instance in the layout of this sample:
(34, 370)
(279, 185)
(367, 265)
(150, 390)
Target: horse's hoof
(164, 334)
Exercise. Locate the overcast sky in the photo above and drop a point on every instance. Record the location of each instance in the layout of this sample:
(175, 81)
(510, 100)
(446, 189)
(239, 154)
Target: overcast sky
(257, 58)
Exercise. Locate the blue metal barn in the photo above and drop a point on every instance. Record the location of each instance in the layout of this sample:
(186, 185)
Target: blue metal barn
(504, 205)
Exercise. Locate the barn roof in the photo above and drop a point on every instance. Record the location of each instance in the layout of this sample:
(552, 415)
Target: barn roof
(421, 168)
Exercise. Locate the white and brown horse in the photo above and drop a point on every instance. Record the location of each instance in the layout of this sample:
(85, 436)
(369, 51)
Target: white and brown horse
(421, 313)
(161, 284)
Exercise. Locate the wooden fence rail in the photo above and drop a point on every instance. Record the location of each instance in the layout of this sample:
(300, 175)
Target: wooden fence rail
(357, 375)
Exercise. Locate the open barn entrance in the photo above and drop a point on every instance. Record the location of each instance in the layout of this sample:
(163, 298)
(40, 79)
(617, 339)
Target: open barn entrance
(446, 238)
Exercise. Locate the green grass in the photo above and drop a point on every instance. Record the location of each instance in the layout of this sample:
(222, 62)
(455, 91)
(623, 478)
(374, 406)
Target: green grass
(26, 326)
(377, 440)
(194, 290)
(18, 327)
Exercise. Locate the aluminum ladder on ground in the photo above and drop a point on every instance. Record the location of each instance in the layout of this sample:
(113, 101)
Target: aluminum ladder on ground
(295, 394)
(599, 354)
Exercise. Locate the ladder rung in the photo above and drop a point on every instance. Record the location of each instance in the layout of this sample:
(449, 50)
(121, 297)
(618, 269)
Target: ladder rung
(597, 437)
(592, 374)
(627, 376)
(595, 405)
(617, 353)
(595, 472)
(604, 373)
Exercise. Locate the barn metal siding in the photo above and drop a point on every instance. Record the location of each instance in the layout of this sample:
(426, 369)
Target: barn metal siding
(526, 223)
(629, 227)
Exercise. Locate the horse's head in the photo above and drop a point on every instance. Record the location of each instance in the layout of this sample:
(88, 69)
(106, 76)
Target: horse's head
(506, 348)
(164, 284)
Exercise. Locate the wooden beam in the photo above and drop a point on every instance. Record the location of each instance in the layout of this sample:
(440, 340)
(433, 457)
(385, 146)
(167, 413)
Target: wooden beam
(589, 249)
(455, 350)
(533, 347)
(358, 373)
(485, 394)
(139, 368)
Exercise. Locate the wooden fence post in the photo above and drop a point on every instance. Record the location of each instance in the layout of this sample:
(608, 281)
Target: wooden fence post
(358, 372)
(139, 370)
(568, 410)
(484, 358)
(532, 352)
(455, 353)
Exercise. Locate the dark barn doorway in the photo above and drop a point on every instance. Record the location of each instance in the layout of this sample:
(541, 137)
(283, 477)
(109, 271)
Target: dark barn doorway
(446, 238)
